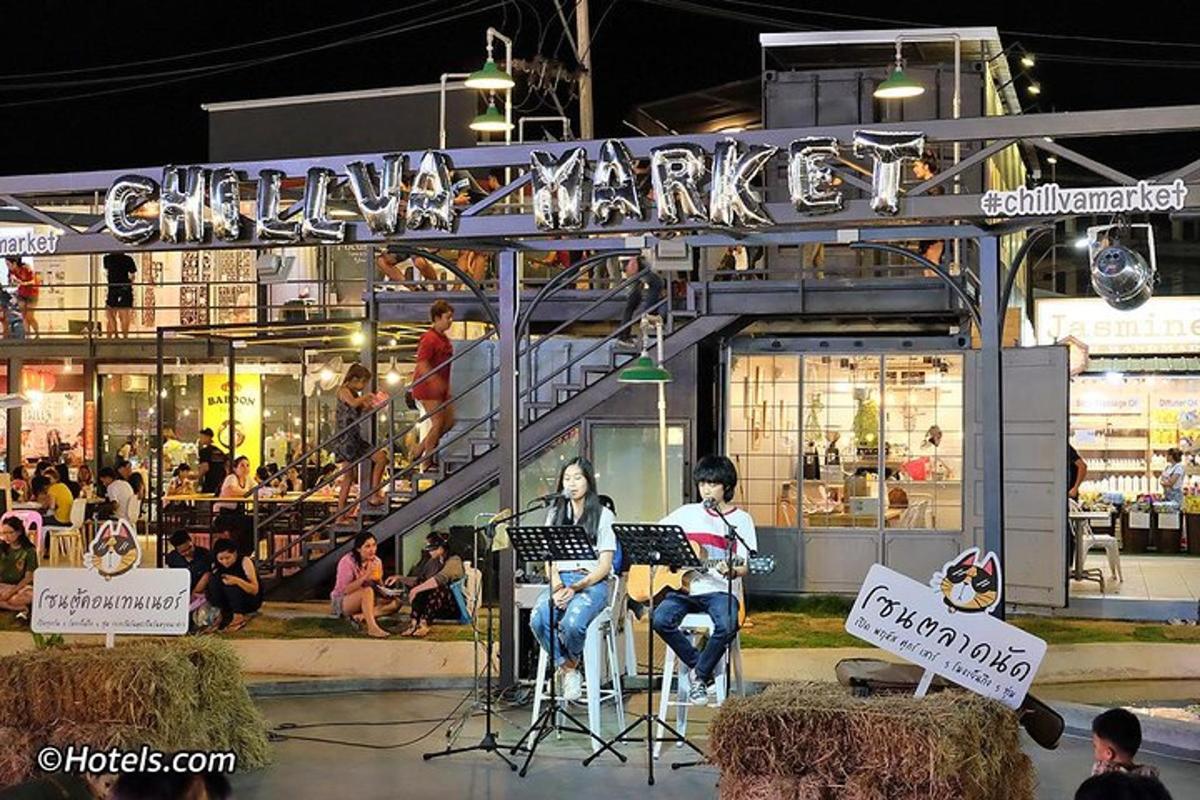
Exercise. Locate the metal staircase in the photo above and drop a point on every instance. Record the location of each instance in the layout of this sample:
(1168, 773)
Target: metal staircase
(550, 401)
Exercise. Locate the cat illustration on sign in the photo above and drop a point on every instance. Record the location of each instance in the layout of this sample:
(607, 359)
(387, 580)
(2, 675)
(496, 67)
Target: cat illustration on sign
(970, 583)
(114, 551)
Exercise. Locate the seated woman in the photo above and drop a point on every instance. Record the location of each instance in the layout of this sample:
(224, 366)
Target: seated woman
(429, 585)
(234, 588)
(231, 516)
(18, 560)
(292, 481)
(182, 480)
(354, 592)
(578, 589)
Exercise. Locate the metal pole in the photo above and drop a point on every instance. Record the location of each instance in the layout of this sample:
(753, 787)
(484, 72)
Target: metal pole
(509, 444)
(156, 483)
(442, 105)
(991, 412)
(662, 424)
(583, 37)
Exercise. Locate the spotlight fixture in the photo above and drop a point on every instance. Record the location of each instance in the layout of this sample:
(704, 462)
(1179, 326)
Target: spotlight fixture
(1028, 60)
(1034, 88)
(1121, 275)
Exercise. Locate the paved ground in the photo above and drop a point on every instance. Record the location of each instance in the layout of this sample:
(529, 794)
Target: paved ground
(1147, 577)
(378, 768)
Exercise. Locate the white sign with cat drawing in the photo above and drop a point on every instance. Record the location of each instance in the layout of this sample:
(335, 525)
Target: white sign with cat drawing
(945, 627)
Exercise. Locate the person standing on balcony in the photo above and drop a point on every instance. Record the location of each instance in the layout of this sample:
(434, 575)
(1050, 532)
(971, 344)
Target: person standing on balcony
(930, 249)
(120, 269)
(22, 276)
(644, 296)
(431, 380)
(349, 446)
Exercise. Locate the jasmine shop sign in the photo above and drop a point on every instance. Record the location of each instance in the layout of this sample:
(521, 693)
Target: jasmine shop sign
(691, 188)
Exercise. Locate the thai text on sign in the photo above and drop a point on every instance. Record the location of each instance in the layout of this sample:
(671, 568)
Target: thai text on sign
(151, 602)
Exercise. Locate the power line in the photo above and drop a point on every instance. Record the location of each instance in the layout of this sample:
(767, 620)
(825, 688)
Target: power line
(596, 31)
(226, 49)
(249, 63)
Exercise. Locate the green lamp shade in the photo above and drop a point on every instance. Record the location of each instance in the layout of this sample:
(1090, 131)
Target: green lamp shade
(898, 86)
(490, 77)
(491, 121)
(644, 370)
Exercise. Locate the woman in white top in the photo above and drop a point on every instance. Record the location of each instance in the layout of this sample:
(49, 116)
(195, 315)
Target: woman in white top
(237, 485)
(1171, 478)
(578, 589)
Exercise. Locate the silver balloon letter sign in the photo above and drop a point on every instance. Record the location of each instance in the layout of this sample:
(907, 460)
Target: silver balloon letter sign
(810, 179)
(269, 226)
(224, 202)
(316, 224)
(379, 209)
(890, 151)
(732, 200)
(126, 193)
(181, 204)
(431, 199)
(614, 183)
(676, 171)
(558, 189)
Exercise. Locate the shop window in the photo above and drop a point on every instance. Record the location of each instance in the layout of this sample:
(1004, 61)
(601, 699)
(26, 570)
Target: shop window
(923, 441)
(763, 441)
(840, 486)
(52, 420)
(281, 419)
(859, 442)
(126, 418)
(626, 458)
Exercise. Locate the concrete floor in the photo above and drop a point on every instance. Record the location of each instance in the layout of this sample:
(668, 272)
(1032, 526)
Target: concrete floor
(383, 770)
(1146, 577)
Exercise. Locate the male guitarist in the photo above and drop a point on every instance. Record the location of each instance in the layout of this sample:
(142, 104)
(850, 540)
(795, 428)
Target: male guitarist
(707, 591)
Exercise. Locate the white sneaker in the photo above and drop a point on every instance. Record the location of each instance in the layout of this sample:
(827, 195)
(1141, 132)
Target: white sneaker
(572, 685)
(698, 692)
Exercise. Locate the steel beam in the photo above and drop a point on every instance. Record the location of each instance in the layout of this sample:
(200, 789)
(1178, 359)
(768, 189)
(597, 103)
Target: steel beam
(509, 456)
(991, 407)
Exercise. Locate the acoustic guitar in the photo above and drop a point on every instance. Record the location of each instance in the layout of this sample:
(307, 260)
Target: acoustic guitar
(638, 582)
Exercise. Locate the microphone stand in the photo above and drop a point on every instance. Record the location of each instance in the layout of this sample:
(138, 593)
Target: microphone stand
(732, 537)
(488, 743)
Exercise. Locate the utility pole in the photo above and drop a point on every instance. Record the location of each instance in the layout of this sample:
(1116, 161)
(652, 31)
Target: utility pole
(583, 44)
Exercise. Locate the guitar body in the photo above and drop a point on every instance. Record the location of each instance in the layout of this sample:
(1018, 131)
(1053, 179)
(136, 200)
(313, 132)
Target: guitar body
(637, 583)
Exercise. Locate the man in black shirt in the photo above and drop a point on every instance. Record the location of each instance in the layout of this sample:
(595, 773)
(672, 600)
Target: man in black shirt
(196, 560)
(120, 269)
(212, 464)
(1076, 472)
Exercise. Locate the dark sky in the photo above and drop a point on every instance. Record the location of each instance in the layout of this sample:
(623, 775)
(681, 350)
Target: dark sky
(642, 51)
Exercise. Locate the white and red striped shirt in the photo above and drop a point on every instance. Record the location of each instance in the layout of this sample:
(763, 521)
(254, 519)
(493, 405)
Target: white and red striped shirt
(706, 528)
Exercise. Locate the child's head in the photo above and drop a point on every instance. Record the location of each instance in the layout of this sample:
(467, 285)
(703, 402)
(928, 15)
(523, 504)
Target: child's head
(716, 478)
(1116, 735)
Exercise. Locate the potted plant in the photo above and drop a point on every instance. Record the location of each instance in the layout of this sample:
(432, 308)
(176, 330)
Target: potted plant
(1191, 519)
(1136, 527)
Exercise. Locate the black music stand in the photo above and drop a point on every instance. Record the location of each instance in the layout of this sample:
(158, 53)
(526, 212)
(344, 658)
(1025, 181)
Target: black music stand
(553, 543)
(653, 546)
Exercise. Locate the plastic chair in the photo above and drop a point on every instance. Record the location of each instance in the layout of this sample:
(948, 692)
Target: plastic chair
(599, 658)
(1112, 548)
(695, 625)
(66, 541)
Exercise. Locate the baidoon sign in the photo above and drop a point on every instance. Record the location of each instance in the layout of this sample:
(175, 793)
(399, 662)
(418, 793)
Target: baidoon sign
(691, 187)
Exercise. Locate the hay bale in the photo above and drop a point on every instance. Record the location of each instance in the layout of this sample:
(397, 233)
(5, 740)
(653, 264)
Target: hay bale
(16, 756)
(169, 694)
(819, 739)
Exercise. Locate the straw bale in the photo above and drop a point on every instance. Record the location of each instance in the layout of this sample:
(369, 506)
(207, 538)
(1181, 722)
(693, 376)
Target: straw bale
(16, 756)
(884, 747)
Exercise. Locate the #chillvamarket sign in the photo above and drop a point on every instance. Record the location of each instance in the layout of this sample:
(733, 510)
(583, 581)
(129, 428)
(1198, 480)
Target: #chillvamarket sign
(110, 595)
(945, 627)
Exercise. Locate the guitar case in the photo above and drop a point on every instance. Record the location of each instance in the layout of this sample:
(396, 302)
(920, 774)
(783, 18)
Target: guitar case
(865, 676)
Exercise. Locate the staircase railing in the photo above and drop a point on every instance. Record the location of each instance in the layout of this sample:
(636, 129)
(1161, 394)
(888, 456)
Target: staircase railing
(528, 346)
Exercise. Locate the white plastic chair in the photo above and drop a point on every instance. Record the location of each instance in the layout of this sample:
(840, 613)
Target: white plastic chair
(1112, 548)
(66, 541)
(599, 662)
(694, 625)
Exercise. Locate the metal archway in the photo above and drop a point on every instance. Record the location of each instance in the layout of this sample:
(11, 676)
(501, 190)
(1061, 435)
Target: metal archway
(467, 280)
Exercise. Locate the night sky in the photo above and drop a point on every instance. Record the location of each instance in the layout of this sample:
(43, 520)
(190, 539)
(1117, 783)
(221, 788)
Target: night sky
(642, 51)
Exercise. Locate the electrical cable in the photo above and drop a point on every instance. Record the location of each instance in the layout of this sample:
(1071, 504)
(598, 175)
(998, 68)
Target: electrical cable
(367, 745)
(431, 19)
(226, 49)
(596, 30)
(243, 65)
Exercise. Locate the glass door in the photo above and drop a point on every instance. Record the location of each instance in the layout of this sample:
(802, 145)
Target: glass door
(628, 469)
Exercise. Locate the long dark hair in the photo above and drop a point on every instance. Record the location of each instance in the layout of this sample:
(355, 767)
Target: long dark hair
(590, 521)
(18, 527)
(359, 541)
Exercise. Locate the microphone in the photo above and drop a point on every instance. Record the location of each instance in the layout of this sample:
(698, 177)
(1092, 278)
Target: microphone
(548, 499)
(710, 504)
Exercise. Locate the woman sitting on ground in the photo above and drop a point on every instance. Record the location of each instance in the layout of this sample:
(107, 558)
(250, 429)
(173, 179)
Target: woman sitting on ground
(18, 560)
(429, 585)
(354, 592)
(234, 587)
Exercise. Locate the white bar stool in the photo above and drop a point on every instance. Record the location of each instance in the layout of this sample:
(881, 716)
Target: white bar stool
(694, 625)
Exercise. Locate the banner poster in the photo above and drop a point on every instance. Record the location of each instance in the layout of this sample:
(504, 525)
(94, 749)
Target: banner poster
(50, 420)
(246, 438)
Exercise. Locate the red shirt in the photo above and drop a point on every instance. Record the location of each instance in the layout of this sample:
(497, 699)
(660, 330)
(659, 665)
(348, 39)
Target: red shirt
(24, 277)
(434, 349)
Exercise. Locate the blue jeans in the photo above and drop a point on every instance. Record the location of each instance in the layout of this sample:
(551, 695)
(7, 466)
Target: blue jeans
(670, 613)
(572, 621)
